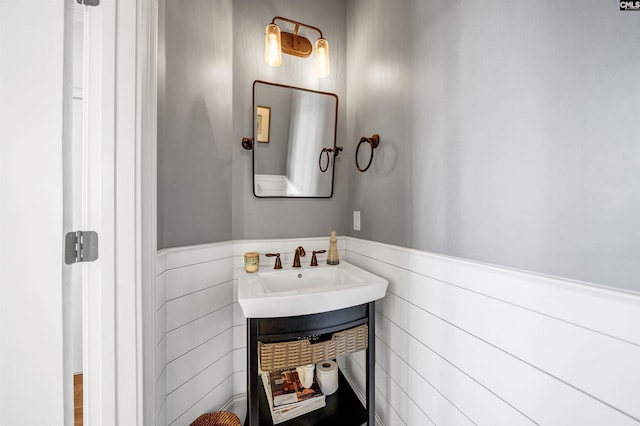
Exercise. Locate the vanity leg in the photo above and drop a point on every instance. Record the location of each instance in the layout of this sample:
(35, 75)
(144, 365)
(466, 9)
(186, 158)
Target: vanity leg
(371, 365)
(252, 373)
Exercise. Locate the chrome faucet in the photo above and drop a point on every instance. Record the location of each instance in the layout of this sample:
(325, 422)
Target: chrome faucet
(296, 259)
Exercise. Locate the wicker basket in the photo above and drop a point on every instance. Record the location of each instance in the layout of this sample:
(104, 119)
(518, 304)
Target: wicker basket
(219, 418)
(278, 356)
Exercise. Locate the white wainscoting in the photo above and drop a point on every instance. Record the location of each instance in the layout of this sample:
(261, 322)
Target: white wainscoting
(461, 343)
(194, 310)
(457, 342)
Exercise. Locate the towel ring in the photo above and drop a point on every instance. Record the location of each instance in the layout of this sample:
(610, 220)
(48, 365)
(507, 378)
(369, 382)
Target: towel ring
(326, 167)
(373, 141)
(335, 151)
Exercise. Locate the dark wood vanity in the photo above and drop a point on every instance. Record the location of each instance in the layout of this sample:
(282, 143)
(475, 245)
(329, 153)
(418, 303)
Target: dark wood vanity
(343, 407)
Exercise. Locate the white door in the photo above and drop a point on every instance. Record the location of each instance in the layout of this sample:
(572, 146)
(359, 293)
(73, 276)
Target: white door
(35, 131)
(31, 136)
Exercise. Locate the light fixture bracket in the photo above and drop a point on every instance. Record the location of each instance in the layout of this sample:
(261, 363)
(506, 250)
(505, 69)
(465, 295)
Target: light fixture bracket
(294, 44)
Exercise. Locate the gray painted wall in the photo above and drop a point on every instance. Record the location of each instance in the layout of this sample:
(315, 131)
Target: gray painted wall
(509, 132)
(284, 218)
(508, 129)
(210, 54)
(195, 137)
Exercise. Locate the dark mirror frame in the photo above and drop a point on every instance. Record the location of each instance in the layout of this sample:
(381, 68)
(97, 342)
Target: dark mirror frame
(334, 149)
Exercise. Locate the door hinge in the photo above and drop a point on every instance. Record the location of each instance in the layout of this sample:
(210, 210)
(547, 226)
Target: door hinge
(89, 2)
(80, 246)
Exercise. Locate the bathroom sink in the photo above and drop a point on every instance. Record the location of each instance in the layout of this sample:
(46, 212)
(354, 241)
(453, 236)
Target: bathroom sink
(307, 290)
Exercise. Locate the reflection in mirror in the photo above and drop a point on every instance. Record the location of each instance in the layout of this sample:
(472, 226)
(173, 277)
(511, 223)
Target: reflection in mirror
(292, 127)
(263, 122)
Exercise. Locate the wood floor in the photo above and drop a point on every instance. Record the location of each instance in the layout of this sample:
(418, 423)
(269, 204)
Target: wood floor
(77, 399)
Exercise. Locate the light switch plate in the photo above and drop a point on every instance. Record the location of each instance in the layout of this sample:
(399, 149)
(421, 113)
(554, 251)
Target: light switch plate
(356, 220)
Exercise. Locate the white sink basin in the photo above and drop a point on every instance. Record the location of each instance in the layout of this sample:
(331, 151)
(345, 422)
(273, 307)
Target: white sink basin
(307, 290)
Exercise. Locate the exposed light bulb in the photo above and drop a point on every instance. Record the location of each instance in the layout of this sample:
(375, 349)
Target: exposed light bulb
(321, 59)
(272, 47)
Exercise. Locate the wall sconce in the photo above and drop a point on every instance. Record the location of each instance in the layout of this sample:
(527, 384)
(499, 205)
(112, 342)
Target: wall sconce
(276, 42)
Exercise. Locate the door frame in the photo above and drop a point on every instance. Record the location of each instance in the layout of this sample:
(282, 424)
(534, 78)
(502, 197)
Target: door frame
(121, 129)
(146, 204)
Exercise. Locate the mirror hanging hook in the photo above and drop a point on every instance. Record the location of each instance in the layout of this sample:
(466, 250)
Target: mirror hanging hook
(247, 143)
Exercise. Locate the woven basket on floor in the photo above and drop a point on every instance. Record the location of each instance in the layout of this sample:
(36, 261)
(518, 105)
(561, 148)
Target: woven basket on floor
(281, 355)
(219, 418)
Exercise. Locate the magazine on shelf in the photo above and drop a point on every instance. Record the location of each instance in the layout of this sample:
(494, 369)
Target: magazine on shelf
(287, 397)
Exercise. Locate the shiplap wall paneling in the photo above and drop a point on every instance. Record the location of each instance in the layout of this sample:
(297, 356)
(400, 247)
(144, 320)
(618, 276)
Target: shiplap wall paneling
(159, 324)
(583, 304)
(199, 331)
(490, 360)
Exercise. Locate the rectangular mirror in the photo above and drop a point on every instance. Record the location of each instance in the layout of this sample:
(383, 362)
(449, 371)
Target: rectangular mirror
(295, 134)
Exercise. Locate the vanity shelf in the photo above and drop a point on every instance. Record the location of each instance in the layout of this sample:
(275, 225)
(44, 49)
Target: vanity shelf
(343, 407)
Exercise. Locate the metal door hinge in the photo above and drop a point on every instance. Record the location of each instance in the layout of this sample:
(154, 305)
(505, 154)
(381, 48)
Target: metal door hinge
(89, 2)
(80, 246)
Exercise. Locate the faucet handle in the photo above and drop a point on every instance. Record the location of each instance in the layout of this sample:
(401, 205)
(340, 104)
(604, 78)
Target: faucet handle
(278, 264)
(314, 259)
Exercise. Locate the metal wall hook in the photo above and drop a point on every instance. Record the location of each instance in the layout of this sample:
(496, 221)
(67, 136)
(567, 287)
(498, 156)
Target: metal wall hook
(373, 141)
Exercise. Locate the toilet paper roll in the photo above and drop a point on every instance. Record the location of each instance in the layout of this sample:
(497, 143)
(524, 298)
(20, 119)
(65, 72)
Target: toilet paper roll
(327, 374)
